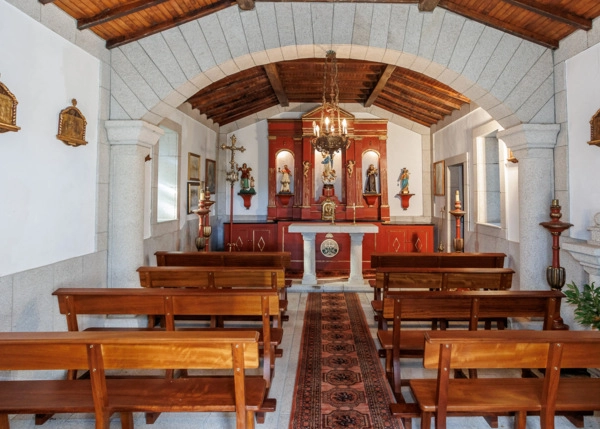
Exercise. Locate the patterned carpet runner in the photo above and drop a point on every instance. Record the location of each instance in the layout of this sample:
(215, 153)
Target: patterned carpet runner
(340, 382)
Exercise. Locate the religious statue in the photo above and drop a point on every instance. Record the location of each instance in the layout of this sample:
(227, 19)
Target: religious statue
(404, 181)
(350, 167)
(306, 165)
(285, 179)
(245, 177)
(328, 175)
(371, 183)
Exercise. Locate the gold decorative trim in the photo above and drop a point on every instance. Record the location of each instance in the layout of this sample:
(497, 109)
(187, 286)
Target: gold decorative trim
(8, 110)
(595, 129)
(71, 126)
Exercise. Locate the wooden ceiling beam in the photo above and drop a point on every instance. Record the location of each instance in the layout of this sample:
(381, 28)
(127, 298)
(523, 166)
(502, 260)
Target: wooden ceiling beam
(427, 5)
(389, 70)
(111, 14)
(504, 26)
(273, 75)
(553, 13)
(246, 4)
(165, 25)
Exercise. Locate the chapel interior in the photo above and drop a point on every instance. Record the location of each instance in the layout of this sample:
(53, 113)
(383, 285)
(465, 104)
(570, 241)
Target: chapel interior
(333, 131)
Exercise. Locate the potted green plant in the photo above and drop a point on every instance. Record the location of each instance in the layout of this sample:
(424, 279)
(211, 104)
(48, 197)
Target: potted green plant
(587, 303)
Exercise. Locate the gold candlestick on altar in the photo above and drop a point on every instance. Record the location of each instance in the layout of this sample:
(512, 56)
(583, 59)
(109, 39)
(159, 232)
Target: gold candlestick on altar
(458, 241)
(354, 215)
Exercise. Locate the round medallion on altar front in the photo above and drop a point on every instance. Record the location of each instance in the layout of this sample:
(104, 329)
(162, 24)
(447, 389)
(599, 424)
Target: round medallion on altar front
(329, 247)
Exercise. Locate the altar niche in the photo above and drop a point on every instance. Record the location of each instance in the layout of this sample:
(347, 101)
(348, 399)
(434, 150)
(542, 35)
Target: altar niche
(339, 182)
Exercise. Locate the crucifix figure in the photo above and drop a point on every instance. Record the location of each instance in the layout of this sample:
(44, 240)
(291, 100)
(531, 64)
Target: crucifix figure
(232, 177)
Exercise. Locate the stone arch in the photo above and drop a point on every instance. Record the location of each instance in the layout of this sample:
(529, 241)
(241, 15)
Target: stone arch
(510, 78)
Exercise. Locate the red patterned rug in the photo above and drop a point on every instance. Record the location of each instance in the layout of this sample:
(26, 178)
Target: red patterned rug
(340, 382)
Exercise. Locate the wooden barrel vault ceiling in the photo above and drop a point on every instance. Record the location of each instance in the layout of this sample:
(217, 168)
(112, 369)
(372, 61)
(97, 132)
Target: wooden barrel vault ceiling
(403, 92)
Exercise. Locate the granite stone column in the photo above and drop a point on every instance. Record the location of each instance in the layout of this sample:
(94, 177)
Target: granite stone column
(131, 142)
(533, 145)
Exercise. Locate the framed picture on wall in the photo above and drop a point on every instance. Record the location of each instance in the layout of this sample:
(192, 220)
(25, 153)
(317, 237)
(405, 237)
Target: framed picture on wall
(193, 166)
(193, 189)
(439, 179)
(211, 176)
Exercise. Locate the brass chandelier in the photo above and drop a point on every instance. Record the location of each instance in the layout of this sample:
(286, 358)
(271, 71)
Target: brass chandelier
(331, 134)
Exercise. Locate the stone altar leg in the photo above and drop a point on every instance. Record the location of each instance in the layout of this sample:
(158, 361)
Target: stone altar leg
(356, 277)
(310, 272)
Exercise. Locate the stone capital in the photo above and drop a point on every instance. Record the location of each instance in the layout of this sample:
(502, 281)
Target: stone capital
(530, 136)
(133, 133)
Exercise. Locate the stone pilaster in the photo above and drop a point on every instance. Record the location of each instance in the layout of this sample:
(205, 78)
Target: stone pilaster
(533, 145)
(131, 142)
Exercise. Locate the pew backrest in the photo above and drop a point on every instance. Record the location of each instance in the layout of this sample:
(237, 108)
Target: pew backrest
(472, 306)
(443, 278)
(211, 277)
(167, 302)
(224, 259)
(437, 260)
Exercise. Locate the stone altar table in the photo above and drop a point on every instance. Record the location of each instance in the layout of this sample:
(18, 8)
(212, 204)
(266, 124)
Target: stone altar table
(309, 232)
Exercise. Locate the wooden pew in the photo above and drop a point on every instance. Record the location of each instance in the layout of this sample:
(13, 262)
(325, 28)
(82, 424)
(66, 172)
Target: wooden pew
(171, 302)
(468, 306)
(103, 351)
(227, 259)
(216, 278)
(436, 279)
(223, 259)
(380, 260)
(437, 260)
(547, 396)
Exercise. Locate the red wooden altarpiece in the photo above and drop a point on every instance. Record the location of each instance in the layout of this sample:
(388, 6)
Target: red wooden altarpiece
(302, 203)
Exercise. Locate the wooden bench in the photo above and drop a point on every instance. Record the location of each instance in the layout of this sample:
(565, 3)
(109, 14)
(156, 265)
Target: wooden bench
(469, 306)
(381, 260)
(107, 351)
(436, 279)
(227, 259)
(547, 396)
(171, 302)
(216, 278)
(437, 260)
(223, 259)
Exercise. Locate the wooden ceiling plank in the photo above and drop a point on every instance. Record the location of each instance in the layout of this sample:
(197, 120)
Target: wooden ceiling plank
(161, 26)
(227, 102)
(411, 106)
(273, 75)
(427, 5)
(554, 13)
(406, 89)
(504, 26)
(410, 115)
(116, 13)
(231, 116)
(387, 73)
